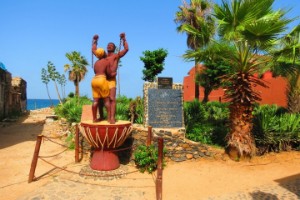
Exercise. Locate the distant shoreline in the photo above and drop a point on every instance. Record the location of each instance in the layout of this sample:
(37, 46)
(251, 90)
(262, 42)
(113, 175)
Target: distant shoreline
(35, 104)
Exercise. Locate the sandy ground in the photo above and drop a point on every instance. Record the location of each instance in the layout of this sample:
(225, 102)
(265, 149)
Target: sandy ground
(194, 179)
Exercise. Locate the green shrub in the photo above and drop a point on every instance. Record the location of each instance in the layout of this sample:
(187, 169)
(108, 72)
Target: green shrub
(206, 123)
(146, 158)
(201, 133)
(122, 112)
(136, 109)
(70, 141)
(72, 108)
(216, 111)
(274, 129)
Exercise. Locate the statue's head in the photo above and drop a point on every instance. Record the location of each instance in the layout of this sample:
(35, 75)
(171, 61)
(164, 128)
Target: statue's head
(111, 47)
(100, 53)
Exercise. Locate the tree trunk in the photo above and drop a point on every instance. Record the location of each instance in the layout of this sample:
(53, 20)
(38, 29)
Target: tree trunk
(294, 101)
(76, 88)
(49, 95)
(57, 92)
(207, 91)
(294, 95)
(240, 142)
(197, 91)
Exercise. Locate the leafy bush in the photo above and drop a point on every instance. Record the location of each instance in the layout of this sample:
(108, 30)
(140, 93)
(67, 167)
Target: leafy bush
(201, 133)
(206, 123)
(70, 141)
(128, 108)
(275, 129)
(136, 109)
(216, 111)
(122, 112)
(146, 158)
(72, 108)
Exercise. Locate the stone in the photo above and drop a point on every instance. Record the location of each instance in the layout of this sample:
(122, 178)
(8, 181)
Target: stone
(189, 156)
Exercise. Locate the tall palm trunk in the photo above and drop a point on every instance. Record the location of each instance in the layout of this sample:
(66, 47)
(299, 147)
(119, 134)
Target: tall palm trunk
(197, 91)
(240, 142)
(76, 83)
(294, 94)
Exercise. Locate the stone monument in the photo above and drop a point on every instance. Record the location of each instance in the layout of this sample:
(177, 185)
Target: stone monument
(163, 103)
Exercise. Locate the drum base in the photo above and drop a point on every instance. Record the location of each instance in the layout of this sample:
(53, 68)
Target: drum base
(104, 160)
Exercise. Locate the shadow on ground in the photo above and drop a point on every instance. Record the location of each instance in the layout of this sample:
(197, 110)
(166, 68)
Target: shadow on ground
(14, 132)
(291, 183)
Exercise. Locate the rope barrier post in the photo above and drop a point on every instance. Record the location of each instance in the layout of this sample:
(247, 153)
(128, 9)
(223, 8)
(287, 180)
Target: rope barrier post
(77, 144)
(149, 136)
(35, 158)
(159, 169)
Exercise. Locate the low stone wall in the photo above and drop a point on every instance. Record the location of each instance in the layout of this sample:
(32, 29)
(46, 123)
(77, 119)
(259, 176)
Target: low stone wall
(178, 147)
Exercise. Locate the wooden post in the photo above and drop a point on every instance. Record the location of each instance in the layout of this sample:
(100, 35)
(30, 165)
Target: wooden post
(35, 158)
(77, 144)
(149, 136)
(159, 169)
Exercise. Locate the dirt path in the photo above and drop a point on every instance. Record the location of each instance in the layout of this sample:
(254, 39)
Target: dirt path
(198, 179)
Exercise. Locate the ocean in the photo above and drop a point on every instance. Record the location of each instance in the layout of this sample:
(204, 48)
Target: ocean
(33, 104)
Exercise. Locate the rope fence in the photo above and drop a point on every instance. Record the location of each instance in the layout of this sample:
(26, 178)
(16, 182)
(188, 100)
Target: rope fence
(79, 149)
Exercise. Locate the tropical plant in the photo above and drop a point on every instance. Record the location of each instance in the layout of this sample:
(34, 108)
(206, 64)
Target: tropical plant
(195, 20)
(77, 70)
(275, 129)
(210, 77)
(62, 82)
(122, 112)
(54, 76)
(193, 112)
(206, 123)
(46, 80)
(153, 63)
(146, 158)
(214, 66)
(71, 110)
(287, 56)
(251, 27)
(136, 108)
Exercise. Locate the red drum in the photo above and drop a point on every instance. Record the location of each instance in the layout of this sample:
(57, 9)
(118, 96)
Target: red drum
(105, 138)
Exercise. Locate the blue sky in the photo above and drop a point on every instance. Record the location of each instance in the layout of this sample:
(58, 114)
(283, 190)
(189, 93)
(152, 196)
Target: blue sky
(33, 32)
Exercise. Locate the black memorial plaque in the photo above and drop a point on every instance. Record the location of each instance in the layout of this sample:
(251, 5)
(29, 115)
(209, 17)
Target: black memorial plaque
(164, 82)
(165, 108)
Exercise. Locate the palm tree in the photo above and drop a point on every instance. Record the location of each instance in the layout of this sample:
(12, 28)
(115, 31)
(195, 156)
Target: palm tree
(287, 56)
(77, 70)
(62, 82)
(46, 80)
(54, 76)
(251, 27)
(195, 20)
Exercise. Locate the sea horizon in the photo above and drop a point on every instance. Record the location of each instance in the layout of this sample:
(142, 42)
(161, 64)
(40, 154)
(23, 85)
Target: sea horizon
(34, 104)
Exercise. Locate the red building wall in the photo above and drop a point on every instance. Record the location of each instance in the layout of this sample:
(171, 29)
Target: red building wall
(274, 94)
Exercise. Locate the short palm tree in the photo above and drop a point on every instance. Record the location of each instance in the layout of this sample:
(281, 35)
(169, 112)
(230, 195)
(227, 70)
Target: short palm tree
(77, 70)
(251, 27)
(195, 20)
(287, 56)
